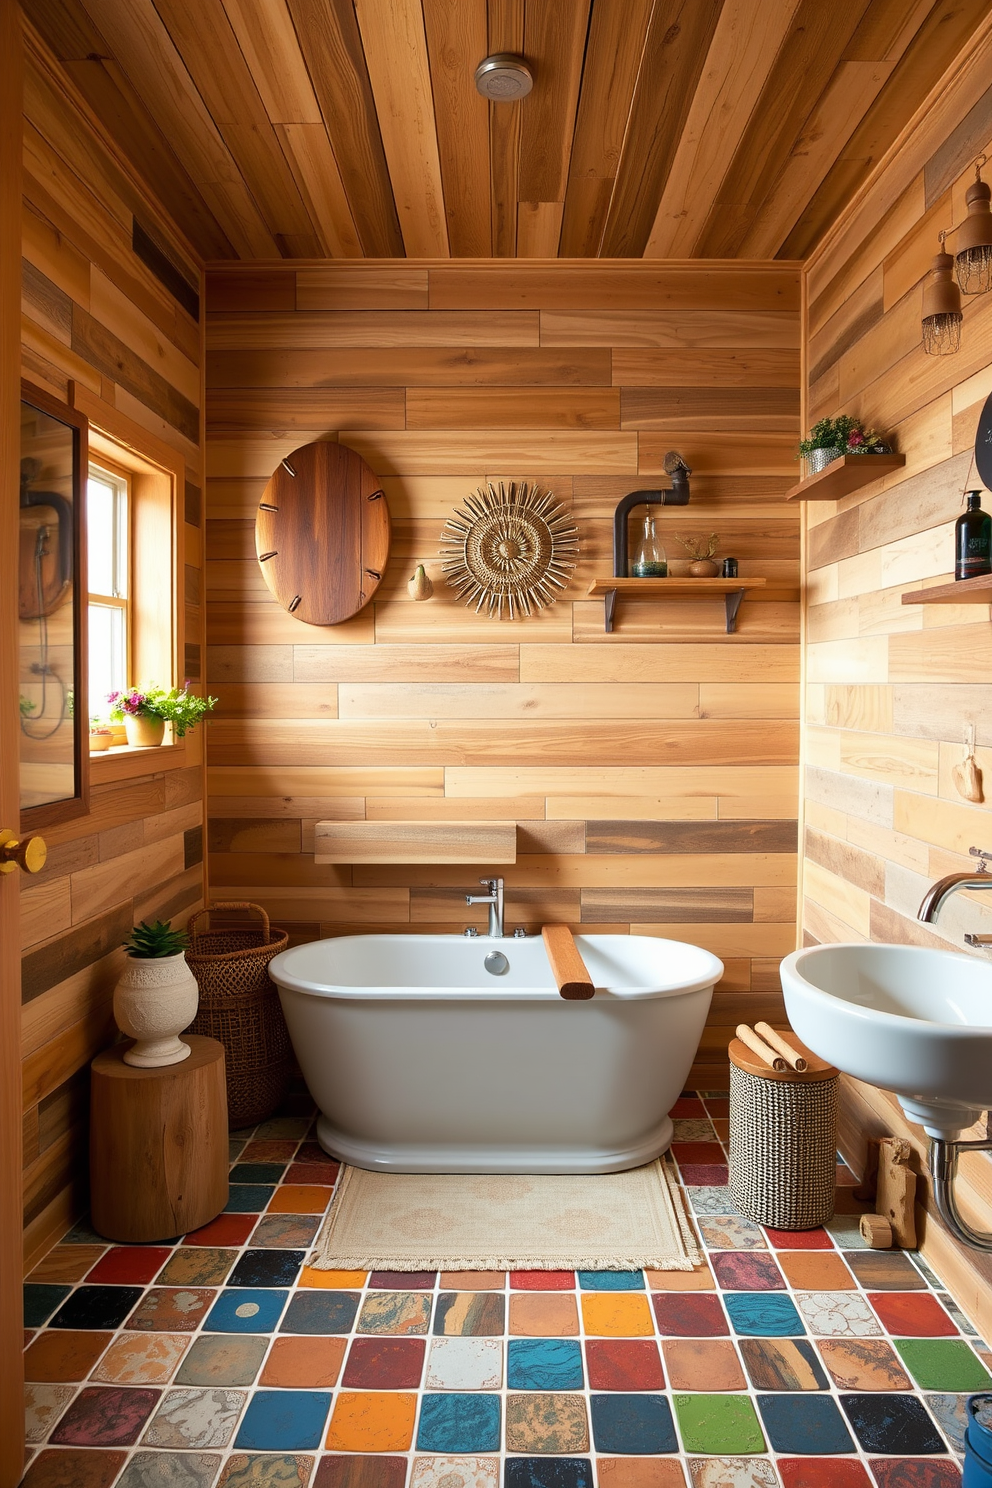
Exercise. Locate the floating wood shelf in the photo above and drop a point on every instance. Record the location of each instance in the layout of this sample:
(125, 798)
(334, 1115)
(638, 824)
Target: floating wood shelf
(733, 590)
(844, 475)
(485, 842)
(962, 591)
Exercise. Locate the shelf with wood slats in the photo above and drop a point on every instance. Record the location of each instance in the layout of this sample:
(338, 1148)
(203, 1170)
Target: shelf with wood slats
(961, 591)
(733, 590)
(844, 475)
(430, 842)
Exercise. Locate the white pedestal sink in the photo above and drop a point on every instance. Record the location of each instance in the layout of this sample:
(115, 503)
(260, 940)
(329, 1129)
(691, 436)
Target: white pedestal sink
(914, 1021)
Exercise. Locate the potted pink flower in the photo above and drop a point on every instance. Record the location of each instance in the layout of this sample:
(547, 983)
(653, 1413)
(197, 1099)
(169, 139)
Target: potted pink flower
(145, 713)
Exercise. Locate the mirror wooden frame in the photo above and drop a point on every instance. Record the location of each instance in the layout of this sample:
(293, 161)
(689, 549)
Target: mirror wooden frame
(35, 817)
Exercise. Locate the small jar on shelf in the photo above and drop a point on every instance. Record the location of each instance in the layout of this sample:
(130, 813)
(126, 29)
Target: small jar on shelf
(649, 560)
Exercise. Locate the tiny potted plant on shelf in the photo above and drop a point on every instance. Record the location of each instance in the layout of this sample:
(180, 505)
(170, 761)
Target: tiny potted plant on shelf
(145, 713)
(157, 995)
(101, 737)
(833, 437)
(700, 551)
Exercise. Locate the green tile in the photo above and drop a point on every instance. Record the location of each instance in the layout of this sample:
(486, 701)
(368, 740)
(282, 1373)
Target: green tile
(724, 1424)
(943, 1364)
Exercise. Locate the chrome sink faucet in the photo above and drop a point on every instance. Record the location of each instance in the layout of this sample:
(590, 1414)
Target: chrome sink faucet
(934, 897)
(495, 901)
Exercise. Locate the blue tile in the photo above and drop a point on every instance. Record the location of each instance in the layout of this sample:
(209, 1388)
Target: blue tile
(810, 1425)
(281, 1419)
(611, 1281)
(459, 1423)
(267, 1268)
(636, 1425)
(242, 1310)
(544, 1364)
(763, 1314)
(897, 1425)
(40, 1300)
(320, 1312)
(548, 1472)
(248, 1198)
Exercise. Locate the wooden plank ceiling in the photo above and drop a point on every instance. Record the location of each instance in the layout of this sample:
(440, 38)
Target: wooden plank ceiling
(656, 128)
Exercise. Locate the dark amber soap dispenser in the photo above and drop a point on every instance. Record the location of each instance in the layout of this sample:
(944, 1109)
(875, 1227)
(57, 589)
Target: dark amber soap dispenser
(973, 540)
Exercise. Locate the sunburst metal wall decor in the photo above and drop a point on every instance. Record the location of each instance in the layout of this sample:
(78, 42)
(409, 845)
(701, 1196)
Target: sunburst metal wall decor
(510, 550)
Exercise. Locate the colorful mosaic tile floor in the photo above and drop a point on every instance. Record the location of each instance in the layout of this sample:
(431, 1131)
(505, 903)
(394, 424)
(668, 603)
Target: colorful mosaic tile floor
(221, 1361)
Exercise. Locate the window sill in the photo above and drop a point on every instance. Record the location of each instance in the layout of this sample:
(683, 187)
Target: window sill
(129, 760)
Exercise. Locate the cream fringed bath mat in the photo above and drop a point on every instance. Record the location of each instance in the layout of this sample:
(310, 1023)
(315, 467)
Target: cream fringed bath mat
(507, 1221)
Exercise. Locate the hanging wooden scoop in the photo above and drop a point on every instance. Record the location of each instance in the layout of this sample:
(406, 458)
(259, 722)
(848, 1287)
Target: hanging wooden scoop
(567, 966)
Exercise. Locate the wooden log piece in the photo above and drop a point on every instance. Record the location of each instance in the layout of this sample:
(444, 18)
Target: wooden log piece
(567, 966)
(758, 1046)
(777, 1042)
(158, 1143)
(877, 1231)
(896, 1193)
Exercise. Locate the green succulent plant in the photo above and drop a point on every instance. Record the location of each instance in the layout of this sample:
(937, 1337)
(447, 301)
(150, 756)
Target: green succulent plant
(149, 942)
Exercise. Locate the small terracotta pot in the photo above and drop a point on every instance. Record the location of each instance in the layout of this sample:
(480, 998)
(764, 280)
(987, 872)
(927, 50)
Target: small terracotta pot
(703, 568)
(100, 739)
(144, 732)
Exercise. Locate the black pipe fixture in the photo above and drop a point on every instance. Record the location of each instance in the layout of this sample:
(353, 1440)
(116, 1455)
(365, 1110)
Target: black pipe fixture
(676, 495)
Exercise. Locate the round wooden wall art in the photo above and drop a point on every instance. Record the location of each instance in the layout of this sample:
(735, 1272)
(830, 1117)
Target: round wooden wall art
(510, 551)
(322, 533)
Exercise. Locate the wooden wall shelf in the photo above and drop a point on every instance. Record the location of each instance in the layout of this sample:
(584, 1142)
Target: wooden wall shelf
(961, 591)
(482, 842)
(843, 476)
(733, 590)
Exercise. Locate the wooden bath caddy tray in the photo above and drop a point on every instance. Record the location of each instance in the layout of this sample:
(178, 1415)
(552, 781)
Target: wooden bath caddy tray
(733, 591)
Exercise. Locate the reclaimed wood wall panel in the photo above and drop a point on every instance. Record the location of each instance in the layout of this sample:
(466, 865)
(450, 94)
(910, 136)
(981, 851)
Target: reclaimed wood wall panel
(104, 314)
(651, 774)
(703, 129)
(892, 689)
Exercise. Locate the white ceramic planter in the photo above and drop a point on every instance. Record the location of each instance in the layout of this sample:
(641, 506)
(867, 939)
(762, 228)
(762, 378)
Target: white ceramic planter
(155, 999)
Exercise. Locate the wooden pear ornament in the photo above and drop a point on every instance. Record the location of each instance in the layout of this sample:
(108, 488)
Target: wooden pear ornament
(967, 776)
(420, 586)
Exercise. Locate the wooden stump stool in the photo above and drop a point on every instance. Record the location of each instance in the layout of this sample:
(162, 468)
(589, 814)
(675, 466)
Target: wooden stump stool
(158, 1144)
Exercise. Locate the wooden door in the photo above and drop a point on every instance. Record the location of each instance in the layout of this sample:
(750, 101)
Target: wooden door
(11, 1252)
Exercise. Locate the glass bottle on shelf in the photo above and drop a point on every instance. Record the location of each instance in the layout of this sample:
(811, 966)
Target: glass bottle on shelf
(649, 560)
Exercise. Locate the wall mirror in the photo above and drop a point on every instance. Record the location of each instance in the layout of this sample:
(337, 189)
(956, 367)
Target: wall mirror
(51, 607)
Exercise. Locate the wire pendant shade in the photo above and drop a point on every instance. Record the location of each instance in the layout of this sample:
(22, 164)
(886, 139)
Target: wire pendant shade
(510, 550)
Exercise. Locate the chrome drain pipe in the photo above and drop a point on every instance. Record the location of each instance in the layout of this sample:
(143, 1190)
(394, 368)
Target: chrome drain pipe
(943, 1162)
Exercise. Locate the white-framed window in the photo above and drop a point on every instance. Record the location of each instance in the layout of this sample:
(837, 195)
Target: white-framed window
(108, 539)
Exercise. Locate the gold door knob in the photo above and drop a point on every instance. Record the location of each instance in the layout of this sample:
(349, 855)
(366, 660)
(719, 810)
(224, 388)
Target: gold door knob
(29, 853)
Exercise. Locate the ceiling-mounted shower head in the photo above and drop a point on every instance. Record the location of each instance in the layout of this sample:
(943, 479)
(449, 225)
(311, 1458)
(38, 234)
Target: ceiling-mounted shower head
(503, 77)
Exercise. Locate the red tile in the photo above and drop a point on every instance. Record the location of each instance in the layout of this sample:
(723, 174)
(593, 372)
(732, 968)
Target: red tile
(817, 1239)
(912, 1315)
(705, 1174)
(312, 1152)
(718, 1105)
(747, 1271)
(81, 1468)
(355, 1471)
(688, 1106)
(226, 1229)
(311, 1172)
(384, 1364)
(542, 1281)
(624, 1364)
(698, 1152)
(822, 1472)
(127, 1264)
(689, 1315)
(915, 1472)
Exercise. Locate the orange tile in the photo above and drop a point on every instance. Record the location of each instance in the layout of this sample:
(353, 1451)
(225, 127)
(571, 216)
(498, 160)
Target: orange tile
(304, 1362)
(300, 1198)
(141, 1359)
(64, 1354)
(698, 1280)
(372, 1421)
(67, 1263)
(348, 1280)
(639, 1472)
(816, 1271)
(617, 1314)
(472, 1281)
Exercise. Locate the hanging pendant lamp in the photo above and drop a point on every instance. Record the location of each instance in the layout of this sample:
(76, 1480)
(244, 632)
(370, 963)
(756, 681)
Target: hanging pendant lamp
(942, 314)
(973, 259)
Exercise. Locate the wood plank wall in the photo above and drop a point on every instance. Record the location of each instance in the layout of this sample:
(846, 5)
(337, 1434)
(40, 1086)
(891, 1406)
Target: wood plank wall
(891, 688)
(109, 302)
(652, 773)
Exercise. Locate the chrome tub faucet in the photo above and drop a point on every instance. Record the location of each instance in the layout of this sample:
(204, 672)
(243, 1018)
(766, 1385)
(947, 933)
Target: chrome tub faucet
(933, 899)
(495, 901)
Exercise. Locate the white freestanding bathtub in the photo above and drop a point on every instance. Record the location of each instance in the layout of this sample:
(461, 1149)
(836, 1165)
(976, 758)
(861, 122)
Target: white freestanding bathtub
(423, 1061)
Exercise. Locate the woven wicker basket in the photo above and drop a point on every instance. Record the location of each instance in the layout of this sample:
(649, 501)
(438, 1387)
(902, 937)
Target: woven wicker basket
(783, 1149)
(239, 1005)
